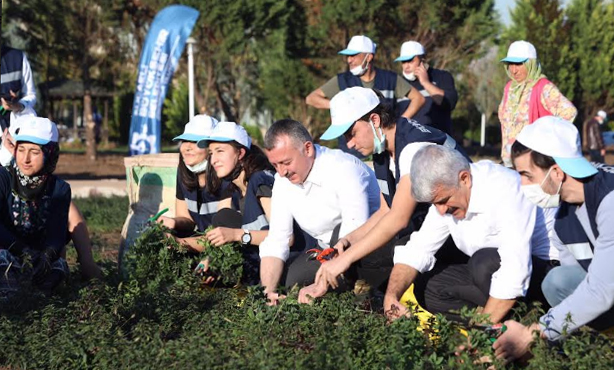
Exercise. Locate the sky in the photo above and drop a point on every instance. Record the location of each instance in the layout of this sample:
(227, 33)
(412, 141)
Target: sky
(504, 7)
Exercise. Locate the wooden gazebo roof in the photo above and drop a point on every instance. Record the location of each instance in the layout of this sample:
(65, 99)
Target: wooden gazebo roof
(71, 89)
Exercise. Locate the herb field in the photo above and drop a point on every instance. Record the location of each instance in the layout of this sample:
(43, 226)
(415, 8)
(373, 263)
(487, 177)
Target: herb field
(161, 316)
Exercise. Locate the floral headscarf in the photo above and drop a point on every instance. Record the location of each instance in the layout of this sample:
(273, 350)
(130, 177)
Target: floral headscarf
(517, 89)
(30, 209)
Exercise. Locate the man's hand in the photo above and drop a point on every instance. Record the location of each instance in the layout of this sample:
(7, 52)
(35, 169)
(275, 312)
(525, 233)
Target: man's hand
(308, 293)
(12, 104)
(202, 269)
(393, 309)
(603, 152)
(329, 271)
(168, 222)
(273, 298)
(515, 342)
(222, 235)
(421, 74)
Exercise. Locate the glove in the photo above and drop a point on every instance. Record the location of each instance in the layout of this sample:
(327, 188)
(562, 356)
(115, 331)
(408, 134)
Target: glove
(42, 267)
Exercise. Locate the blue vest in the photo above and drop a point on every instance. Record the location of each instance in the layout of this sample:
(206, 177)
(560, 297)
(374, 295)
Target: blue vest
(385, 82)
(568, 226)
(253, 215)
(202, 205)
(11, 68)
(407, 132)
(12, 64)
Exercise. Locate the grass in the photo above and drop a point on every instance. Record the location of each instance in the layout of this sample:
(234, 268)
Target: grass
(103, 214)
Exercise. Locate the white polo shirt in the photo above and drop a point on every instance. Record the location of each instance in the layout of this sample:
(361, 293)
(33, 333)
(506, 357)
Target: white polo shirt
(498, 216)
(340, 189)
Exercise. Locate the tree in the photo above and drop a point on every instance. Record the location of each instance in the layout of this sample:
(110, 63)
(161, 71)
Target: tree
(486, 80)
(592, 56)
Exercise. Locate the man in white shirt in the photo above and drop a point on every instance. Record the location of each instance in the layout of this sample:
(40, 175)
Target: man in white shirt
(319, 188)
(483, 209)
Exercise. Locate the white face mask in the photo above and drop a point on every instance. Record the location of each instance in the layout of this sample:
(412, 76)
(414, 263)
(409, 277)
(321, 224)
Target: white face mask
(410, 76)
(360, 70)
(6, 157)
(379, 145)
(539, 197)
(199, 167)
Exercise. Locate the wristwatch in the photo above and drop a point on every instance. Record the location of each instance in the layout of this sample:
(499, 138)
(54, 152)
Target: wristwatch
(246, 238)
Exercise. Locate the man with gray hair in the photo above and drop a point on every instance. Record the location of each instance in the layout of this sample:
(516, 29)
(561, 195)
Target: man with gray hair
(328, 193)
(481, 206)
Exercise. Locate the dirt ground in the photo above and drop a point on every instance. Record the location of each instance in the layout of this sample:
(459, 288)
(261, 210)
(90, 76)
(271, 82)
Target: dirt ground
(77, 167)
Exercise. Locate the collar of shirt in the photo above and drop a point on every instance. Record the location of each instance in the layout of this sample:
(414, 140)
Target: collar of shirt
(477, 198)
(315, 175)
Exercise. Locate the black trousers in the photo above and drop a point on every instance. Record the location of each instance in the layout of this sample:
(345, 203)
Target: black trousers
(451, 285)
(375, 268)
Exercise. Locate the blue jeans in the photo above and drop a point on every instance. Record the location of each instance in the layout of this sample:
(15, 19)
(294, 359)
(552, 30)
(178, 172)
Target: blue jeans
(561, 282)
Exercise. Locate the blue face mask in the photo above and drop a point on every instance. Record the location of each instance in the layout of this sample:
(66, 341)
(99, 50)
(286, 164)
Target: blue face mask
(379, 145)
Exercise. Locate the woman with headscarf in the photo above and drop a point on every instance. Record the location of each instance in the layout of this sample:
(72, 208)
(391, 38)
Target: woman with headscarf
(33, 211)
(527, 96)
(77, 227)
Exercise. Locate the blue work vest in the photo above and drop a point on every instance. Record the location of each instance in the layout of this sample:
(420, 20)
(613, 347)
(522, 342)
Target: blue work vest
(568, 227)
(202, 205)
(11, 76)
(385, 82)
(407, 132)
(252, 213)
(12, 71)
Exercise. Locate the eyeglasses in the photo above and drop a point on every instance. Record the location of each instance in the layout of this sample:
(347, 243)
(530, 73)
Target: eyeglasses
(514, 63)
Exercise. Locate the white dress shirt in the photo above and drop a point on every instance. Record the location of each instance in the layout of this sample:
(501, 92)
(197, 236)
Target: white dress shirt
(340, 189)
(498, 216)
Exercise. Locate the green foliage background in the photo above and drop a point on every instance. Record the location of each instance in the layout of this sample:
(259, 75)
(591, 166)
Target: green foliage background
(162, 317)
(257, 60)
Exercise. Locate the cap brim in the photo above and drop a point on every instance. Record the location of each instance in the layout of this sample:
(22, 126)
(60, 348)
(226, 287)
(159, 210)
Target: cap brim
(406, 58)
(189, 137)
(576, 167)
(514, 60)
(349, 52)
(31, 139)
(205, 142)
(334, 132)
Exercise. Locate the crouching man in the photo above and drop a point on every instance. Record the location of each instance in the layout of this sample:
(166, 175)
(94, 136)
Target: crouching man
(327, 192)
(548, 156)
(481, 206)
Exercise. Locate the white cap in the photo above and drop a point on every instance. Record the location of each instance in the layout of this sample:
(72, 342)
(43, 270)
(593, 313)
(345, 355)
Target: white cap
(347, 107)
(602, 114)
(359, 44)
(225, 132)
(37, 130)
(519, 52)
(559, 139)
(198, 128)
(409, 50)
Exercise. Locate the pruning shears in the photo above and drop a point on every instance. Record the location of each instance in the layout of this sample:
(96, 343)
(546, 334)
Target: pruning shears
(322, 255)
(493, 331)
(155, 217)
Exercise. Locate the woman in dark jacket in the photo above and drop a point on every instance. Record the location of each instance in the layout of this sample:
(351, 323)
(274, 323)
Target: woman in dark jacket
(33, 211)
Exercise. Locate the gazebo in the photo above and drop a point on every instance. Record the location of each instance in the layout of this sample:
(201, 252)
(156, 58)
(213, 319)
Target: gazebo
(58, 97)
